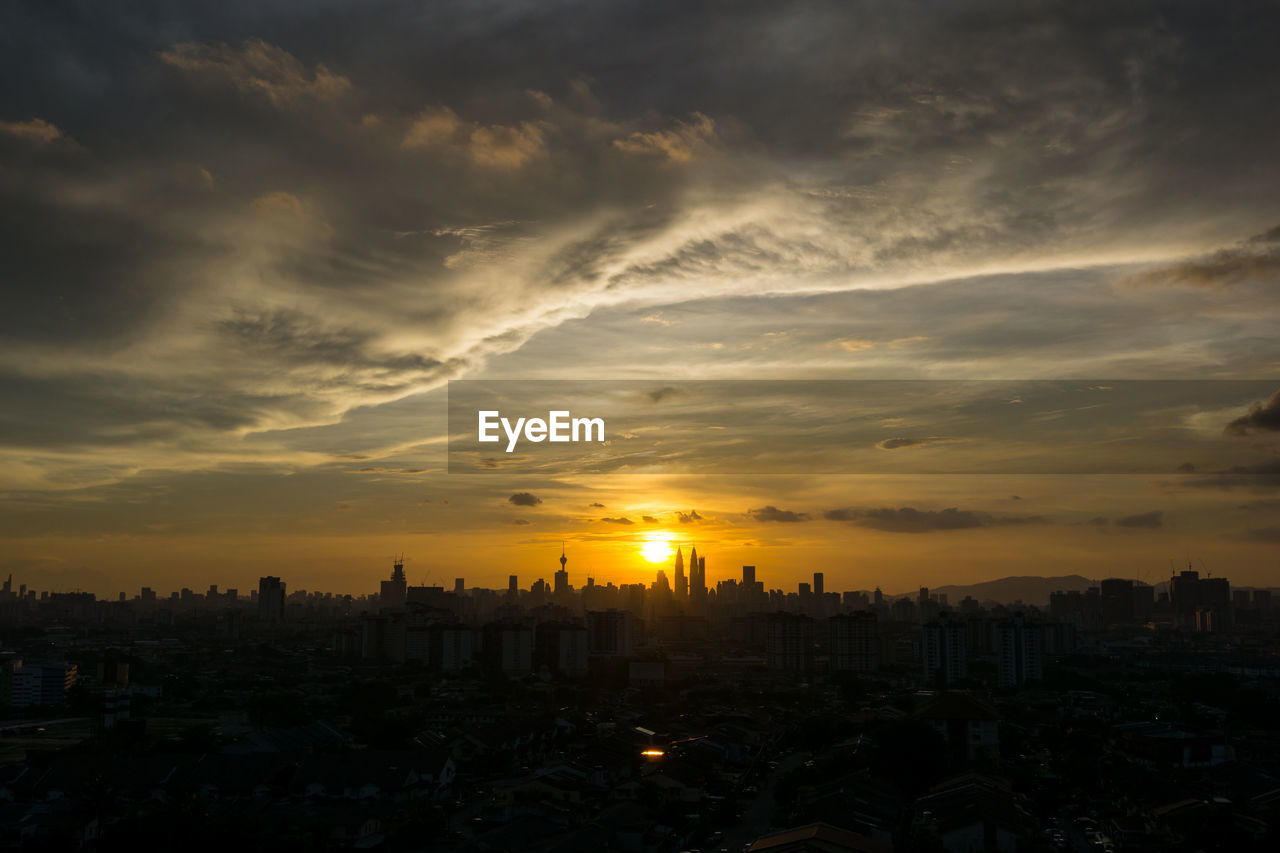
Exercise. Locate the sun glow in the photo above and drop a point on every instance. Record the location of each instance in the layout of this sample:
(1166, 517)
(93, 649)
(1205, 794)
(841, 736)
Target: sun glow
(656, 547)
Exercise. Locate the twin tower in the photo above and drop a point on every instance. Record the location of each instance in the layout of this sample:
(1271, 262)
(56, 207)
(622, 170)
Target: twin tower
(693, 587)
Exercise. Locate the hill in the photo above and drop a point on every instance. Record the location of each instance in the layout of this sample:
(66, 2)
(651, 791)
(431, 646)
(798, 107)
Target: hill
(1029, 589)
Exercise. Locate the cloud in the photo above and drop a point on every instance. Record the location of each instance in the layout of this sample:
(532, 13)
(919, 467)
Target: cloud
(864, 344)
(493, 146)
(1263, 534)
(1256, 259)
(502, 147)
(911, 520)
(435, 127)
(1261, 417)
(169, 316)
(1149, 520)
(619, 520)
(649, 519)
(521, 521)
(688, 517)
(258, 68)
(666, 393)
(772, 513)
(679, 144)
(597, 505)
(296, 211)
(35, 130)
(524, 499)
(898, 443)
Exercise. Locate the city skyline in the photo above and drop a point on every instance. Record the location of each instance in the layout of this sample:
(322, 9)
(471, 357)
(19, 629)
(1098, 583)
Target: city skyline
(678, 586)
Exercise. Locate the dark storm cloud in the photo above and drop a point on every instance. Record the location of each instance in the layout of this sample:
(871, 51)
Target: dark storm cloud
(1150, 520)
(524, 499)
(1262, 418)
(772, 513)
(911, 520)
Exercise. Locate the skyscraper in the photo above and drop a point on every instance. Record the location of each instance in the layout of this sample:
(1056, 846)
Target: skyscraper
(271, 600)
(748, 575)
(818, 583)
(682, 584)
(698, 581)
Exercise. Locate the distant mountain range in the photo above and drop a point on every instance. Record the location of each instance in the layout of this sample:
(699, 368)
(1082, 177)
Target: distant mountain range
(1028, 589)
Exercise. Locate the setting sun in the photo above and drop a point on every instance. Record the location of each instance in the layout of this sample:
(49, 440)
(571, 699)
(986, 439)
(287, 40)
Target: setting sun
(656, 548)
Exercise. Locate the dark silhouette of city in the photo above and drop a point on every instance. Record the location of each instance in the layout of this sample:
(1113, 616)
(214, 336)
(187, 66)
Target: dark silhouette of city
(640, 717)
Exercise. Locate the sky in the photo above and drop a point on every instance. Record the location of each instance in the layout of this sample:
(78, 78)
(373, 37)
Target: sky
(248, 245)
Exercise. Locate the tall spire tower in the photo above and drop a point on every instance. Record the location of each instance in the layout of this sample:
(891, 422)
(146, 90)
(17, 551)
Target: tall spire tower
(562, 576)
(682, 584)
